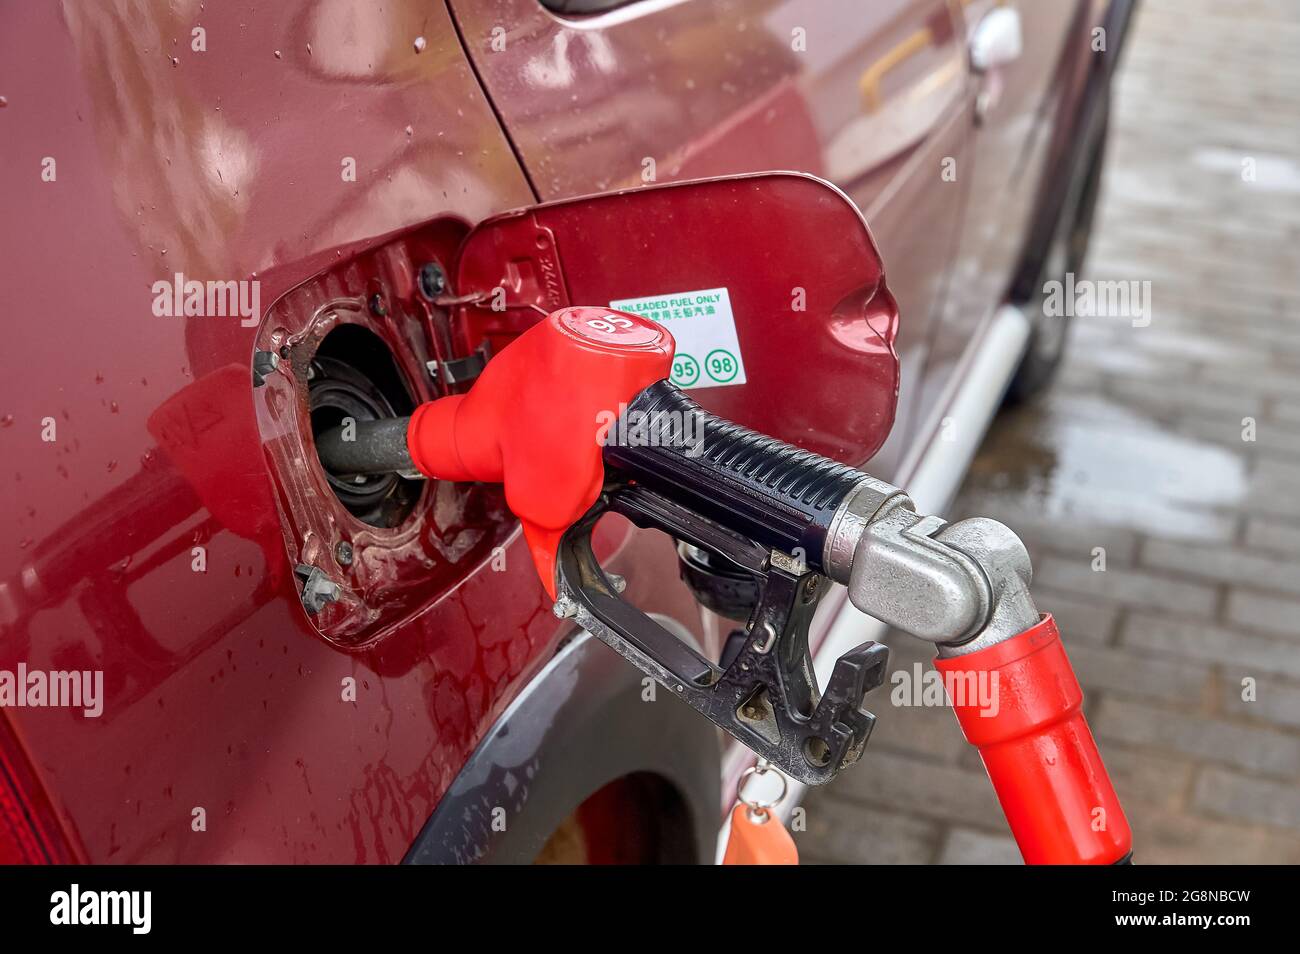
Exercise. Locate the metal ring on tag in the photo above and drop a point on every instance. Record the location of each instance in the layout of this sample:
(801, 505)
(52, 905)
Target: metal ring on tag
(758, 807)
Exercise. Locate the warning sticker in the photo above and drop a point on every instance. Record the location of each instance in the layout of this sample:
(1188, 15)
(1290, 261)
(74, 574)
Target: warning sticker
(708, 351)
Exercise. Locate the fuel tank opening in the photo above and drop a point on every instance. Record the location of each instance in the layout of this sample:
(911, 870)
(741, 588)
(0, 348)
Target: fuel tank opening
(352, 377)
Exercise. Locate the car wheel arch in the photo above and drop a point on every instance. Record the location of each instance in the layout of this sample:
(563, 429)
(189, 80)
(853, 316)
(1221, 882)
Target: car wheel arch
(584, 721)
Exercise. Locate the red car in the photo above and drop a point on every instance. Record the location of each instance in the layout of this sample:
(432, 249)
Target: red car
(242, 657)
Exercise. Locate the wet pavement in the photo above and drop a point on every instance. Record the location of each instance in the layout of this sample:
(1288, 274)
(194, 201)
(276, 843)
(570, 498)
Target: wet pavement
(1157, 484)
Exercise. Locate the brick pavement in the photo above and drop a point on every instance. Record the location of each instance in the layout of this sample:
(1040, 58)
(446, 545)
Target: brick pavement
(1139, 450)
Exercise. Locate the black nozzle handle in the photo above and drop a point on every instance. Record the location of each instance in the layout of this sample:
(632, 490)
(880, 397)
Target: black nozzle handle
(778, 495)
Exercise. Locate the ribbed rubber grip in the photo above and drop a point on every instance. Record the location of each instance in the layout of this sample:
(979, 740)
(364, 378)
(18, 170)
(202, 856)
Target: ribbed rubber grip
(772, 492)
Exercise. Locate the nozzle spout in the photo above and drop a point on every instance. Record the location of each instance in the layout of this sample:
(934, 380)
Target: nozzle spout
(366, 447)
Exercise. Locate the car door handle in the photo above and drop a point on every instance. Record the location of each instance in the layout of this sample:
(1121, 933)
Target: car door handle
(997, 40)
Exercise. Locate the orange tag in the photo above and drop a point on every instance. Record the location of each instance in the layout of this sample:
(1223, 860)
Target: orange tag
(762, 842)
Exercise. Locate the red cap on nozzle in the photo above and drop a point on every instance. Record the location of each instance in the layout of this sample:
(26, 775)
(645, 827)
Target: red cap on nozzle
(533, 419)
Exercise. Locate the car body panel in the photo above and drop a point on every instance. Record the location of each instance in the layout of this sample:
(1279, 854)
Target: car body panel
(219, 696)
(1017, 107)
(868, 96)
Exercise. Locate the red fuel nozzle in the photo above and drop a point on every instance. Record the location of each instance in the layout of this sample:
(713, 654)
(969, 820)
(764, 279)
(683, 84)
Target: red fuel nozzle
(545, 419)
(534, 418)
